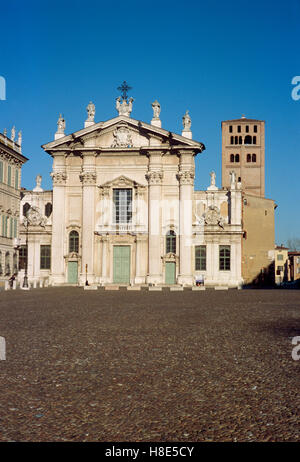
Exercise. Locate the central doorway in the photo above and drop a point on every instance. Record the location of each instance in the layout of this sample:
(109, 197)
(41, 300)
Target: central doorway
(121, 266)
(170, 273)
(72, 272)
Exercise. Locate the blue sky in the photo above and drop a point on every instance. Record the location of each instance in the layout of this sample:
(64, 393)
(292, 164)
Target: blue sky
(218, 59)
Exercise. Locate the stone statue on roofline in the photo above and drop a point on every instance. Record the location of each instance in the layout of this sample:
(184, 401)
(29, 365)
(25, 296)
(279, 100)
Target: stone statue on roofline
(187, 122)
(91, 110)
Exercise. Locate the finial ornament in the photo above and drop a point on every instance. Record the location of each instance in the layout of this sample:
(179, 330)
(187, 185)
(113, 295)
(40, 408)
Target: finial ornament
(124, 88)
(13, 133)
(91, 112)
(5, 132)
(20, 138)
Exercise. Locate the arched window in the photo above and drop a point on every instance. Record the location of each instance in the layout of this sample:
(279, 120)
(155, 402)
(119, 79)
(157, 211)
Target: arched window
(236, 140)
(239, 129)
(171, 242)
(231, 139)
(254, 139)
(73, 242)
(255, 128)
(248, 139)
(248, 157)
(247, 128)
(237, 158)
(240, 140)
(7, 264)
(231, 157)
(253, 157)
(26, 207)
(48, 209)
(230, 128)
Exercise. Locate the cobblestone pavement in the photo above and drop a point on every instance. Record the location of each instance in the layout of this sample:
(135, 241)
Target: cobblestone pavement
(149, 366)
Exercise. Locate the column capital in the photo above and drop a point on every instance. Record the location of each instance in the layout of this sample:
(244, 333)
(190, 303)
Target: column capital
(154, 177)
(88, 178)
(59, 178)
(186, 177)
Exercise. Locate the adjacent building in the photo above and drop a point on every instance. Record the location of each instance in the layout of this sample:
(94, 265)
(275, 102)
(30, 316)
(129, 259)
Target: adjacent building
(11, 161)
(243, 153)
(294, 265)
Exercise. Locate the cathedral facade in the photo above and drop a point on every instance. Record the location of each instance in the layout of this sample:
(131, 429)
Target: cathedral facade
(123, 209)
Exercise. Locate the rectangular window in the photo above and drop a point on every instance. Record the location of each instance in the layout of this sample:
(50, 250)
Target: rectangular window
(22, 257)
(15, 227)
(279, 257)
(11, 227)
(1, 172)
(255, 128)
(200, 258)
(16, 179)
(224, 257)
(4, 226)
(122, 205)
(9, 175)
(45, 257)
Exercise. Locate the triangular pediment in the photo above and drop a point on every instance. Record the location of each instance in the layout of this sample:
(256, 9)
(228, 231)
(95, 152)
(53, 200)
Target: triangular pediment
(121, 133)
(121, 181)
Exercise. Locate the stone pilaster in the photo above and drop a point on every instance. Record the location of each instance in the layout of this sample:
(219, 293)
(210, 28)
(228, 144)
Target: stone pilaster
(154, 177)
(88, 178)
(186, 188)
(59, 178)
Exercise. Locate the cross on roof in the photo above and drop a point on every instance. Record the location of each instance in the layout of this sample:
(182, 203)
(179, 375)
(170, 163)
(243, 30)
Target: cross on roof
(124, 88)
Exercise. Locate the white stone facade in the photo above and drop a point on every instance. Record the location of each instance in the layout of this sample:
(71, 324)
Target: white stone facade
(125, 211)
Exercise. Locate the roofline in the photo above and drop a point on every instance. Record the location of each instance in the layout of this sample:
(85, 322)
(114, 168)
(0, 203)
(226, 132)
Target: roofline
(84, 131)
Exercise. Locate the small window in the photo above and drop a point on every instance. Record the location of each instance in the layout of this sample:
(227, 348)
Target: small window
(239, 179)
(171, 242)
(237, 158)
(247, 128)
(240, 140)
(231, 139)
(254, 139)
(7, 264)
(255, 128)
(26, 207)
(239, 129)
(224, 257)
(73, 242)
(248, 139)
(230, 128)
(253, 157)
(280, 257)
(48, 209)
(248, 158)
(236, 140)
(22, 257)
(45, 262)
(231, 157)
(200, 258)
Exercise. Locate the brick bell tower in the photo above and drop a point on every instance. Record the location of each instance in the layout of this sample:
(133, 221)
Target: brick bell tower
(243, 151)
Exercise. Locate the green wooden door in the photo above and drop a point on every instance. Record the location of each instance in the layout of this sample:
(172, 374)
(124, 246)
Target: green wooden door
(121, 264)
(72, 272)
(170, 273)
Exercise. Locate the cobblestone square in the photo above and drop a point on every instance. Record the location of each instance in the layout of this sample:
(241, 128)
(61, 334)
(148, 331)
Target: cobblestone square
(149, 366)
